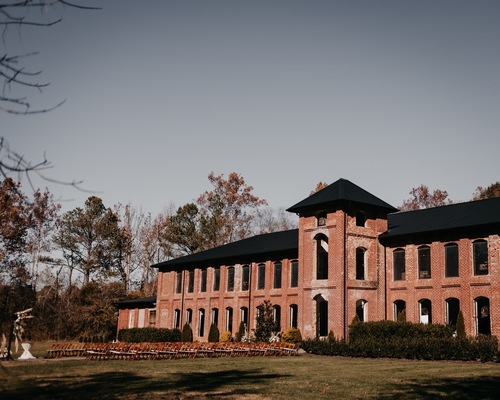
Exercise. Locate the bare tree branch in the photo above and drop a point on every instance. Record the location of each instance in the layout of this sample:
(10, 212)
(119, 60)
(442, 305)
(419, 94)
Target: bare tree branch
(17, 13)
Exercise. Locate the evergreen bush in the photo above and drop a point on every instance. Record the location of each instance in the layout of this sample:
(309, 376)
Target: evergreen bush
(138, 335)
(460, 325)
(187, 333)
(213, 334)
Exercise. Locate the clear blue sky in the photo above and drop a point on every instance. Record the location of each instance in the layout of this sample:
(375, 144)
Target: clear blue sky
(387, 94)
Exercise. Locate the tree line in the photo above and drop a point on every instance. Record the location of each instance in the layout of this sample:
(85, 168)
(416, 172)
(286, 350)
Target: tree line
(70, 267)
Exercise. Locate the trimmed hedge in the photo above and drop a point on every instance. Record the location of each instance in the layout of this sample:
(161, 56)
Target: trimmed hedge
(138, 335)
(389, 339)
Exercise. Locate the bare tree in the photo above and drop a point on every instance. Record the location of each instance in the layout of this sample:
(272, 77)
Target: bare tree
(15, 14)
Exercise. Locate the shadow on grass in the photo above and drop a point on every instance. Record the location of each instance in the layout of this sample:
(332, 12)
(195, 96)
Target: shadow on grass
(486, 387)
(125, 385)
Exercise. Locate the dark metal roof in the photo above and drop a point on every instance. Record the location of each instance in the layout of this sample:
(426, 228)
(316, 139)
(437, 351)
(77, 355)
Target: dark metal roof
(274, 245)
(137, 303)
(340, 193)
(470, 216)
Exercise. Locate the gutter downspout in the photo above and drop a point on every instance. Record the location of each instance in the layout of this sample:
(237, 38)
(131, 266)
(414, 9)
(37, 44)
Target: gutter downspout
(182, 298)
(385, 283)
(345, 278)
(249, 295)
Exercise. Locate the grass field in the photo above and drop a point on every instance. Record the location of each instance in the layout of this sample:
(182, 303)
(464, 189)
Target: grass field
(251, 378)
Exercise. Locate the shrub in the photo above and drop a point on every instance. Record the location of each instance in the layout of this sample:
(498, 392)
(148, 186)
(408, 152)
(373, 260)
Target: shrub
(138, 335)
(460, 325)
(291, 335)
(213, 334)
(265, 322)
(187, 333)
(226, 336)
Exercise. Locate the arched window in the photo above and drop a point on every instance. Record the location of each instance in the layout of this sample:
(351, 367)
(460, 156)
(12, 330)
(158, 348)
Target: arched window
(294, 315)
(483, 317)
(244, 315)
(360, 263)
(245, 277)
(321, 257)
(361, 310)
(215, 316)
(425, 311)
(277, 316)
(177, 318)
(399, 264)
(424, 262)
(277, 275)
(400, 310)
(321, 316)
(229, 319)
(201, 322)
(189, 316)
(480, 257)
(451, 260)
(452, 310)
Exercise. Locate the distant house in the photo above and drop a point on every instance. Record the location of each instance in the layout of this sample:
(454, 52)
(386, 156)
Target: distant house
(353, 254)
(136, 313)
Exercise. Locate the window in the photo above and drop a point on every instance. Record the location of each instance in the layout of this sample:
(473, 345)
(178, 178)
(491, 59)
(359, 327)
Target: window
(142, 317)
(203, 280)
(321, 257)
(277, 275)
(215, 316)
(177, 319)
(152, 318)
(452, 310)
(277, 316)
(361, 310)
(321, 316)
(230, 279)
(191, 281)
(425, 310)
(399, 310)
(483, 319)
(229, 319)
(294, 315)
(201, 322)
(131, 318)
(189, 316)
(261, 276)
(216, 279)
(321, 219)
(244, 315)
(398, 259)
(178, 282)
(294, 273)
(451, 260)
(480, 257)
(360, 218)
(245, 278)
(360, 263)
(424, 262)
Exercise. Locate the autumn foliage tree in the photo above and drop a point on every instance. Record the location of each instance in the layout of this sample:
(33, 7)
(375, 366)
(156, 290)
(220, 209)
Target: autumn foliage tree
(422, 197)
(487, 193)
(227, 209)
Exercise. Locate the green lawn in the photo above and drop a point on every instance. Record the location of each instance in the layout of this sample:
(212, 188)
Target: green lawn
(303, 377)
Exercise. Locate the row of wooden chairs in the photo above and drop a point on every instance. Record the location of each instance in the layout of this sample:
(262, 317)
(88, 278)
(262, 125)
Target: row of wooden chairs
(170, 350)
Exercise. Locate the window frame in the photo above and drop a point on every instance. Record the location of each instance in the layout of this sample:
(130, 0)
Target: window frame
(451, 261)
(424, 262)
(480, 257)
(277, 274)
(399, 264)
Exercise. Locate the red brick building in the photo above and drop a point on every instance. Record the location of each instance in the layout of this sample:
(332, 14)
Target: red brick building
(353, 254)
